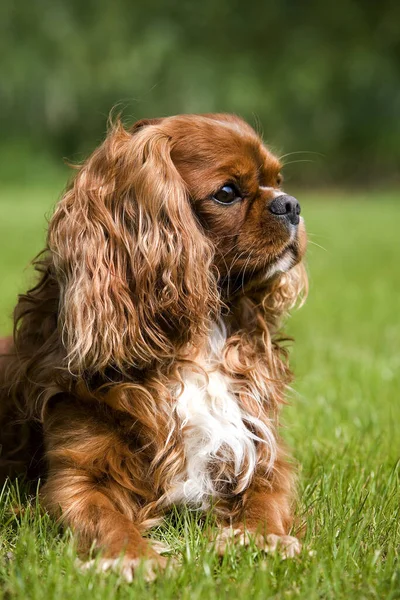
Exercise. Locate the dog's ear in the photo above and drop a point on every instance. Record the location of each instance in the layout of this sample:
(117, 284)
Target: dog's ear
(133, 266)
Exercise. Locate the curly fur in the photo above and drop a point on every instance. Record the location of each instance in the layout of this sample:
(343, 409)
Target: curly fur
(98, 386)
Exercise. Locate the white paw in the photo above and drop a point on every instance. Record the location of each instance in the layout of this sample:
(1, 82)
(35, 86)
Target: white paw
(285, 545)
(225, 537)
(148, 568)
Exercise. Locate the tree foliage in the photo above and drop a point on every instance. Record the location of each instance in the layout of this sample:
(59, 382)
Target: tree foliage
(314, 76)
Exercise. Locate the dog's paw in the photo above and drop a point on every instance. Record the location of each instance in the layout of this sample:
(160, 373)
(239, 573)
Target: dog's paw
(147, 567)
(225, 538)
(286, 546)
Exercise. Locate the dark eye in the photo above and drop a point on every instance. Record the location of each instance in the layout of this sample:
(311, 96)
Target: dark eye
(227, 195)
(279, 180)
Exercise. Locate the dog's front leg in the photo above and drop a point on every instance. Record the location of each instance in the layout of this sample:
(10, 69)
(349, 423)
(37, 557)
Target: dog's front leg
(83, 506)
(266, 518)
(84, 489)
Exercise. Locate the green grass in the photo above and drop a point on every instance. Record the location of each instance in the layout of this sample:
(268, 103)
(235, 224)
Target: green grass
(342, 424)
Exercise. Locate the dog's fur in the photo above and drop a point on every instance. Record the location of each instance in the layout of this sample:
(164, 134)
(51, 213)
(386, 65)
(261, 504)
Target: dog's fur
(147, 367)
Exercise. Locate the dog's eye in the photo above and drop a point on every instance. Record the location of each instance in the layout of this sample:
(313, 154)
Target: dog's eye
(227, 195)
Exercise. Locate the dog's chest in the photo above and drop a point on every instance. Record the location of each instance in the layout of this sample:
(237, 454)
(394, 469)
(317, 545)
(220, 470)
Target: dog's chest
(220, 439)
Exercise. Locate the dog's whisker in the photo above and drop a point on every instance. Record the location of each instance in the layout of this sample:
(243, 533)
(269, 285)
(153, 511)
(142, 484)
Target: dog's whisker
(300, 160)
(300, 152)
(318, 245)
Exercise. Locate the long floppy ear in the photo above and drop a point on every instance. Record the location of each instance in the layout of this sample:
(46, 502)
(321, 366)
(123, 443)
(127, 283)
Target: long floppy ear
(133, 266)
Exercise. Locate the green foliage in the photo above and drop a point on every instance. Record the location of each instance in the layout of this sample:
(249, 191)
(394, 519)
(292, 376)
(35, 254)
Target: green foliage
(342, 425)
(314, 76)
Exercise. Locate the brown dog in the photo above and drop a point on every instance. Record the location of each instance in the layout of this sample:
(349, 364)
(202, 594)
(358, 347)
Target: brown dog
(146, 368)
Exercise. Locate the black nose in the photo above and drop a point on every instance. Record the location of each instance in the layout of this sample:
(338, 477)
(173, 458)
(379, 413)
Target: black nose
(286, 206)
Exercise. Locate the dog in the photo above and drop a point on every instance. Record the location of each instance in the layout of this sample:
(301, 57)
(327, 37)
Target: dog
(147, 367)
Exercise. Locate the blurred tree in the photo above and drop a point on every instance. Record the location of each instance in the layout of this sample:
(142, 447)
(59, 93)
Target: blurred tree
(313, 76)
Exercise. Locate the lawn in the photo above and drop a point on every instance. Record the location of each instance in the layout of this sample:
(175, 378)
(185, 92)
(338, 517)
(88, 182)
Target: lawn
(342, 424)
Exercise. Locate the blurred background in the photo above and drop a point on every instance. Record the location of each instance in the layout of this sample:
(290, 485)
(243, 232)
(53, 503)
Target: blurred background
(317, 78)
(321, 81)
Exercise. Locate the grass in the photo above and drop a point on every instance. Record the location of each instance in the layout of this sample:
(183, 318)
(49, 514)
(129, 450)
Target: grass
(342, 425)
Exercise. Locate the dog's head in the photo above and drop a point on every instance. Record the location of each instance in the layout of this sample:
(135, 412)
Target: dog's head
(161, 224)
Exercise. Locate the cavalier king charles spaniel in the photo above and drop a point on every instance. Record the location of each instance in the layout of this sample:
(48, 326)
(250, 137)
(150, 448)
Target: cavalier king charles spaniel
(147, 367)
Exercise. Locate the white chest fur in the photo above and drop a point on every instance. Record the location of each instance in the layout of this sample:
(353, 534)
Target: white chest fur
(215, 430)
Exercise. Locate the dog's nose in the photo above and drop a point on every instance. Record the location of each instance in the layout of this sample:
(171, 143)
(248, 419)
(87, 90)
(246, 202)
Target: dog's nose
(286, 206)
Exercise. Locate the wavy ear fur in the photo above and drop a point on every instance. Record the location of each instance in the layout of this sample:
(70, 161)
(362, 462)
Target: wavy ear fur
(133, 266)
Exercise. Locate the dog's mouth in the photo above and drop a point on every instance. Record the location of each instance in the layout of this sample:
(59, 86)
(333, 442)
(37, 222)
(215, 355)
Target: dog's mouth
(252, 277)
(284, 261)
(289, 256)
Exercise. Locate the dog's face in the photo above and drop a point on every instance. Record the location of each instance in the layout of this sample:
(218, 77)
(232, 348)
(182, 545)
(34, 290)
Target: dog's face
(234, 184)
(162, 224)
